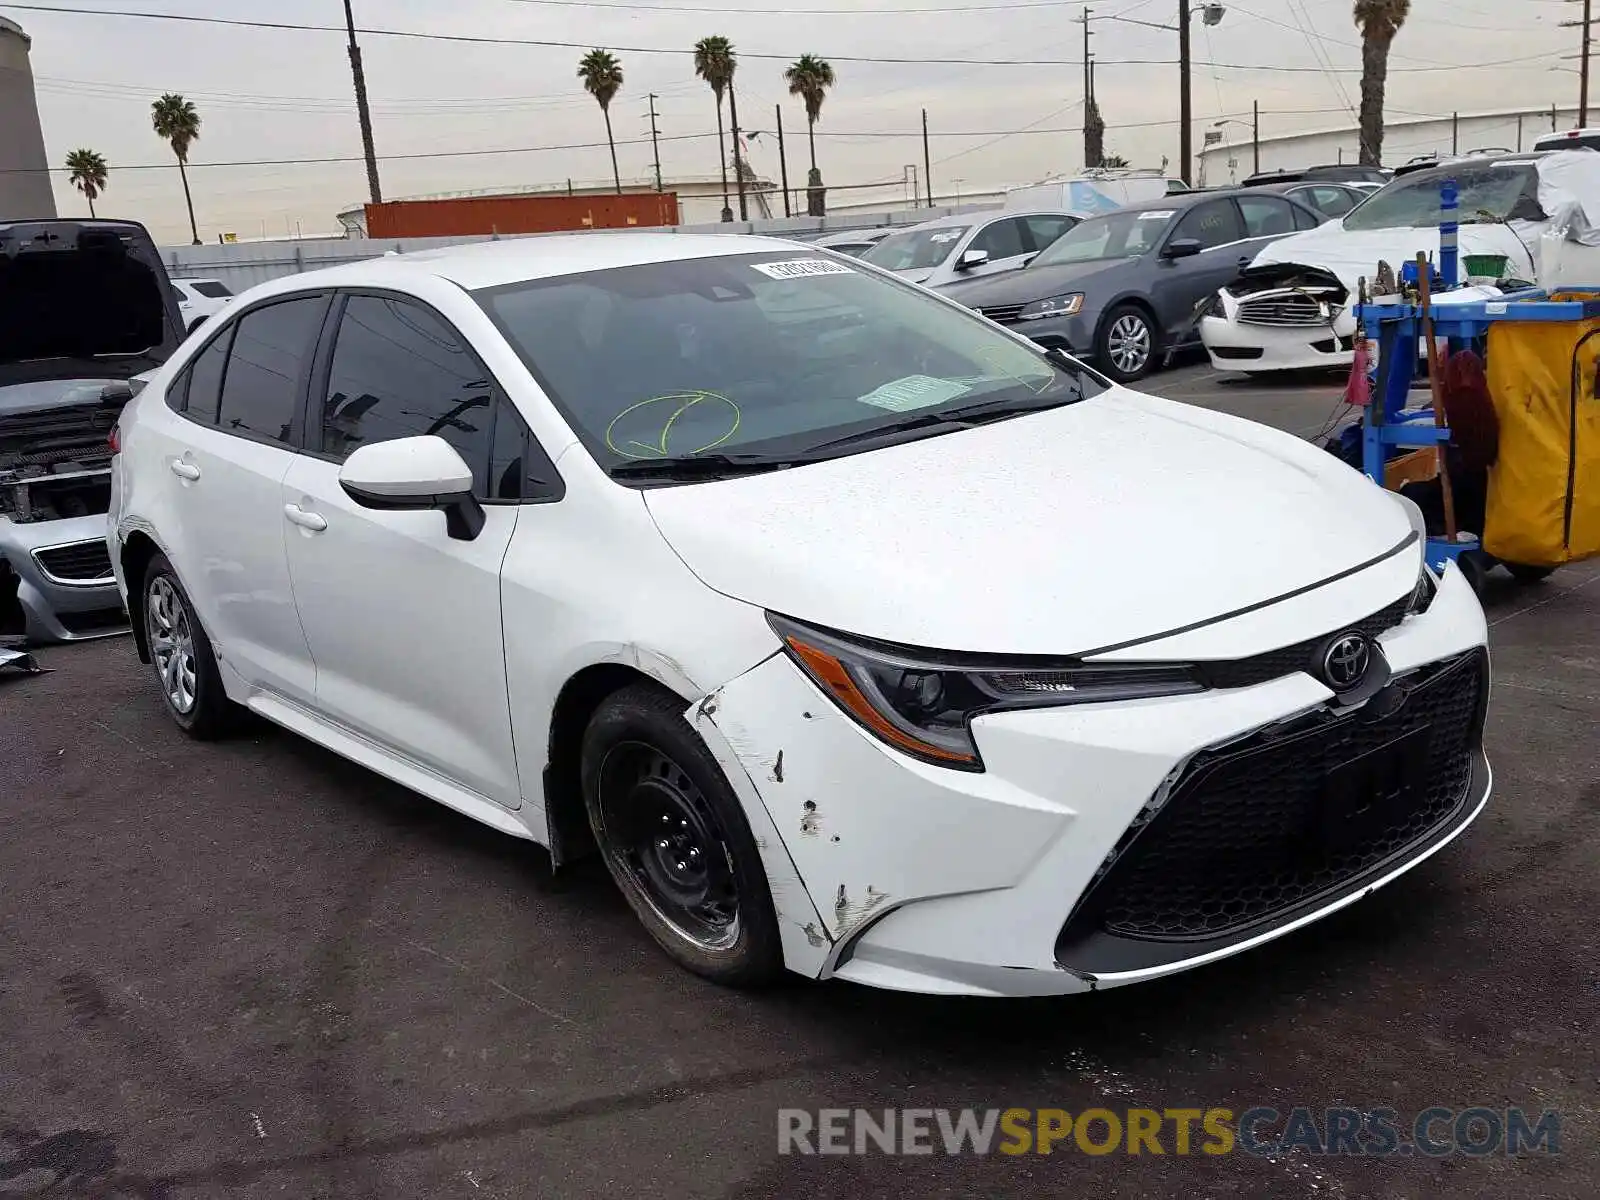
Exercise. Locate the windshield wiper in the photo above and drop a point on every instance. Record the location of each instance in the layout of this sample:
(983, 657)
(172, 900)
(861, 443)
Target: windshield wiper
(699, 466)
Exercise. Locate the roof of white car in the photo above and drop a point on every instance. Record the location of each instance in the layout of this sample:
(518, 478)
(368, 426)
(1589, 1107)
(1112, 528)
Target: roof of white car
(492, 264)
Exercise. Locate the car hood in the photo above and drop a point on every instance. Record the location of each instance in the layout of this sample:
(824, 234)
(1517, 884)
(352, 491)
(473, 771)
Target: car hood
(1105, 522)
(82, 300)
(1355, 254)
(1034, 283)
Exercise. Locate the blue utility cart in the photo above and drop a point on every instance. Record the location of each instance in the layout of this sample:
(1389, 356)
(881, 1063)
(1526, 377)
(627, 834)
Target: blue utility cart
(1395, 327)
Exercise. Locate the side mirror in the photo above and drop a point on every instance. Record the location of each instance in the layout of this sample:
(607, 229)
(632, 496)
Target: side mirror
(1182, 248)
(415, 473)
(971, 258)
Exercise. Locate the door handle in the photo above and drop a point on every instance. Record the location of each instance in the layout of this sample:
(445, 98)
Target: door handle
(315, 522)
(185, 470)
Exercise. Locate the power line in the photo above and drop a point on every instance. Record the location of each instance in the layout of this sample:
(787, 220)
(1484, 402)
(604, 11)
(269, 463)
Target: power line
(478, 39)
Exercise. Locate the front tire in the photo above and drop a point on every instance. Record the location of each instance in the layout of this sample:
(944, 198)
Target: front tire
(1125, 346)
(676, 841)
(1525, 574)
(185, 665)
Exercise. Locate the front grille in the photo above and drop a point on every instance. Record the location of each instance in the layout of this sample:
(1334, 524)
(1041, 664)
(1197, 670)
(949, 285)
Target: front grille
(1006, 314)
(1275, 664)
(1250, 831)
(81, 562)
(1292, 311)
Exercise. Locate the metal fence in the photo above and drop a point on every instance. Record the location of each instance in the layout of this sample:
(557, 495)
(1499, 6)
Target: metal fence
(244, 264)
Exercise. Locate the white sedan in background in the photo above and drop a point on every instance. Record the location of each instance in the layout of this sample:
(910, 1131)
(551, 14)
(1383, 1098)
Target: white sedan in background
(199, 299)
(822, 608)
(1294, 307)
(968, 245)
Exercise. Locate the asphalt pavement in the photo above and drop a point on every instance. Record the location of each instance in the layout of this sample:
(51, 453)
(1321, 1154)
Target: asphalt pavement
(253, 969)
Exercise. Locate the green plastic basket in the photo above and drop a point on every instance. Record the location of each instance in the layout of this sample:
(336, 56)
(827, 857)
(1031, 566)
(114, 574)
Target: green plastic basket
(1485, 266)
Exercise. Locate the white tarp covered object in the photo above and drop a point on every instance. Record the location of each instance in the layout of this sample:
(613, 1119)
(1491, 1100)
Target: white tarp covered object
(1569, 190)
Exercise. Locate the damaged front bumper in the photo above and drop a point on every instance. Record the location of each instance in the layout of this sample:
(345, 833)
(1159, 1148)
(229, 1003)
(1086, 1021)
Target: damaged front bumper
(56, 581)
(1280, 317)
(898, 874)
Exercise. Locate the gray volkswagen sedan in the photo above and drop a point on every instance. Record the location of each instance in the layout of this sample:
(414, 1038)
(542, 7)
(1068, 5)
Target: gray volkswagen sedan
(1123, 288)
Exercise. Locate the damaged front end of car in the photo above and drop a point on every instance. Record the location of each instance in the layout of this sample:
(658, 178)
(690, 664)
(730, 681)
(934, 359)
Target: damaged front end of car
(1278, 316)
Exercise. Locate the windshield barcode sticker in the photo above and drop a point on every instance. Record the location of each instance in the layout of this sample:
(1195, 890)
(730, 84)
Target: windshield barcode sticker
(797, 268)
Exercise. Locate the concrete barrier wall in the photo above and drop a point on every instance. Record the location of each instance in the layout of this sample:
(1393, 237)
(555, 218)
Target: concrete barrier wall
(241, 265)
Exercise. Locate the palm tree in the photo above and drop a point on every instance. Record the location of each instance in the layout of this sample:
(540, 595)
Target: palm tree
(87, 172)
(810, 78)
(602, 78)
(1379, 21)
(714, 62)
(176, 120)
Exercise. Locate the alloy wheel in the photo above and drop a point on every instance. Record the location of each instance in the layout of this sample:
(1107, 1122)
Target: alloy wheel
(1128, 343)
(171, 644)
(665, 843)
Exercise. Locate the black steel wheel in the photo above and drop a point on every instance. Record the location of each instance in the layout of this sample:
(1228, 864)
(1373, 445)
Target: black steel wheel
(675, 838)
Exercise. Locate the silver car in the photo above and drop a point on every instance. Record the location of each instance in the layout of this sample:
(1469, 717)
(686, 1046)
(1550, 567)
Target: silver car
(968, 245)
(86, 309)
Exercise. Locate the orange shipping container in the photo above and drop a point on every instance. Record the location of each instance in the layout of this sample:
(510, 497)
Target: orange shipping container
(465, 216)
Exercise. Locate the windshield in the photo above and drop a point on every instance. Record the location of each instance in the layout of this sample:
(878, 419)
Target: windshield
(916, 249)
(1487, 192)
(760, 356)
(1116, 235)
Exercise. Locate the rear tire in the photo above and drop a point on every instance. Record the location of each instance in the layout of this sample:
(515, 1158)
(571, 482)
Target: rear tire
(675, 839)
(185, 665)
(1125, 346)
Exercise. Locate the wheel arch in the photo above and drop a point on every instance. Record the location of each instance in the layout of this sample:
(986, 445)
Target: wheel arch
(580, 697)
(137, 551)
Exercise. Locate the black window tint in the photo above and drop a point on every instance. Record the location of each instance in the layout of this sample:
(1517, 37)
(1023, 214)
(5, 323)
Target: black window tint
(1266, 216)
(398, 371)
(215, 291)
(1305, 218)
(271, 347)
(1214, 223)
(1047, 229)
(1003, 239)
(205, 379)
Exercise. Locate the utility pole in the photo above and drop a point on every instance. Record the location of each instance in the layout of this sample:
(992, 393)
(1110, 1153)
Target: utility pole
(655, 146)
(1587, 25)
(783, 157)
(1185, 101)
(927, 163)
(1088, 88)
(362, 112)
(1255, 134)
(738, 159)
(1455, 133)
(1583, 98)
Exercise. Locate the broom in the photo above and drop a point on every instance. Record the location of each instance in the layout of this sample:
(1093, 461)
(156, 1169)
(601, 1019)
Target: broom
(1436, 384)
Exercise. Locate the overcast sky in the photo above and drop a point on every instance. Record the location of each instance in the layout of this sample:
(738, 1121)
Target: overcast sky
(266, 94)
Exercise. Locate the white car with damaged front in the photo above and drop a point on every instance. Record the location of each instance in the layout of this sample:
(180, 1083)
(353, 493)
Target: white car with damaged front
(862, 637)
(1294, 307)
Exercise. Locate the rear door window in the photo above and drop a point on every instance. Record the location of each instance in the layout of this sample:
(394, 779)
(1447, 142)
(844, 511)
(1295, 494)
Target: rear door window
(1266, 216)
(272, 347)
(1046, 229)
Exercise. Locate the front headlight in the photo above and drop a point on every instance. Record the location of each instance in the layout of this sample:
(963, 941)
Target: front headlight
(1055, 306)
(924, 704)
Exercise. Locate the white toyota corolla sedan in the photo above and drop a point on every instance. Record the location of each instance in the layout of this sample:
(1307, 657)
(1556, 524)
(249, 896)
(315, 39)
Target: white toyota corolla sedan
(858, 635)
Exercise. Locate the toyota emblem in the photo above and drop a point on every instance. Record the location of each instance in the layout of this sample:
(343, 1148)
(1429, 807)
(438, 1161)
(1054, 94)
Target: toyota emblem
(1345, 661)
